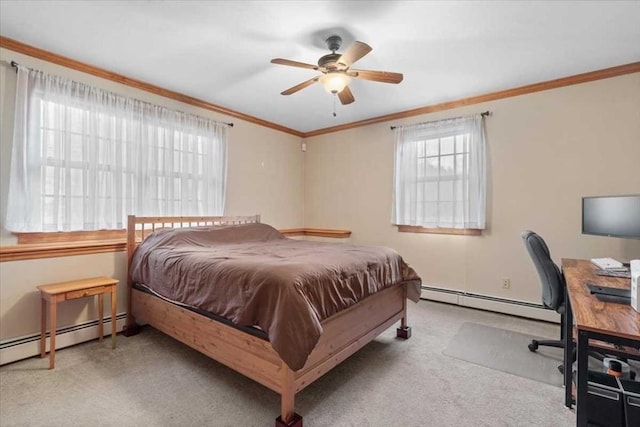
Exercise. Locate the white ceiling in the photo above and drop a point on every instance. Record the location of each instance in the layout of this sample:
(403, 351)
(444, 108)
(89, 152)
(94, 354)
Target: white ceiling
(220, 51)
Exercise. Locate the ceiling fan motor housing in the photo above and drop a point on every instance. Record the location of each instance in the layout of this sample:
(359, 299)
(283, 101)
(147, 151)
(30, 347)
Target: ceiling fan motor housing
(333, 43)
(329, 61)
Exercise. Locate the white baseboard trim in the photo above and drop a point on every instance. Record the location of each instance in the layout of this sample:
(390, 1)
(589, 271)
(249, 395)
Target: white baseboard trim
(499, 305)
(20, 348)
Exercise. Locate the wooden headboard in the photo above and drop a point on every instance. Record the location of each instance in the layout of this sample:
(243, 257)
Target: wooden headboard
(141, 227)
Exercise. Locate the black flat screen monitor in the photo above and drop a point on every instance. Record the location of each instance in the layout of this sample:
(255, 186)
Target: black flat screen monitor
(614, 216)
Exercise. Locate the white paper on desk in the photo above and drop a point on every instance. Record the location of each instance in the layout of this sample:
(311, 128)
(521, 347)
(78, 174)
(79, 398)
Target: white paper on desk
(635, 284)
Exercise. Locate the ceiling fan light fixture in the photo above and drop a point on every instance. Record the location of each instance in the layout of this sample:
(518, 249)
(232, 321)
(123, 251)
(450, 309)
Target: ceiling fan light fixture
(334, 82)
(337, 72)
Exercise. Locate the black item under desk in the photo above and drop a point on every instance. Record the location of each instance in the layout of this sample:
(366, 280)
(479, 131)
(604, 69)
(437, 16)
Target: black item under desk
(605, 407)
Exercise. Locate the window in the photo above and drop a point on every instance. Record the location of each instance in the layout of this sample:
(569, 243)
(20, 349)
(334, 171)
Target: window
(84, 159)
(440, 174)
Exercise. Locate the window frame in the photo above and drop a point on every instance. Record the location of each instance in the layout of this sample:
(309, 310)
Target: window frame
(422, 177)
(84, 168)
(78, 137)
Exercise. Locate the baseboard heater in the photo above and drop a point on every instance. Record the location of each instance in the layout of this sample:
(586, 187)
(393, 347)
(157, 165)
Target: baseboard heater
(15, 349)
(28, 346)
(489, 303)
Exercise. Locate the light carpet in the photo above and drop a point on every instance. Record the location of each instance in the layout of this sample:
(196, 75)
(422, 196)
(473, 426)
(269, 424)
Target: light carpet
(153, 380)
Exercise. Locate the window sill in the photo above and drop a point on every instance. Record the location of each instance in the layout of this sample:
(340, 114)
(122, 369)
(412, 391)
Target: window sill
(51, 245)
(316, 232)
(51, 250)
(70, 236)
(428, 230)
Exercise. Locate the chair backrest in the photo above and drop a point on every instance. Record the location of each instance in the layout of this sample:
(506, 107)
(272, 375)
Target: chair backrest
(551, 277)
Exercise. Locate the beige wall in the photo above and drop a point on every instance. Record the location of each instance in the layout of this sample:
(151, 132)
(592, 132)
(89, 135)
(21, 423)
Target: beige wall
(265, 171)
(546, 150)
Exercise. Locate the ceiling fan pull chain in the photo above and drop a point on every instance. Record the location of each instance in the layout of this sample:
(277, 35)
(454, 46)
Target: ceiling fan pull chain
(334, 104)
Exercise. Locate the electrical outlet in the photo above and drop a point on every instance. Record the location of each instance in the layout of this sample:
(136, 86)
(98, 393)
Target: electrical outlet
(506, 283)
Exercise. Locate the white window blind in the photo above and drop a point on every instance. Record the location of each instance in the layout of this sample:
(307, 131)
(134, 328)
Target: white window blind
(84, 158)
(440, 174)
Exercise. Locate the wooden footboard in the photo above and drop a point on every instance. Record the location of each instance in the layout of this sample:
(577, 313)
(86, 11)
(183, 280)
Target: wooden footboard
(343, 334)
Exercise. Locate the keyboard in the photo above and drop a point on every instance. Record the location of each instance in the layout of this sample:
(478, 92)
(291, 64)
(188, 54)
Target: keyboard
(608, 264)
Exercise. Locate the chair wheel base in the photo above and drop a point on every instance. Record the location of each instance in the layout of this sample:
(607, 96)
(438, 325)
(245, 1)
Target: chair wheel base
(533, 346)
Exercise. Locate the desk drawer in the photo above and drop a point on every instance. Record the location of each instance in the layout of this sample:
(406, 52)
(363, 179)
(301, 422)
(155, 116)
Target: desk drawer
(87, 292)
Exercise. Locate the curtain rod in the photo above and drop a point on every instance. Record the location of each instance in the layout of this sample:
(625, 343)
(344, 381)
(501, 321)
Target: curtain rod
(15, 65)
(483, 114)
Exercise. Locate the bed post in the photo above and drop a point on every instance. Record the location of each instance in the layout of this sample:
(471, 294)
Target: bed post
(404, 331)
(288, 418)
(131, 327)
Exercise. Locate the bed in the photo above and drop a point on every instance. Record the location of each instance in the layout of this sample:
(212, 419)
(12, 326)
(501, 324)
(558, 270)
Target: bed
(273, 324)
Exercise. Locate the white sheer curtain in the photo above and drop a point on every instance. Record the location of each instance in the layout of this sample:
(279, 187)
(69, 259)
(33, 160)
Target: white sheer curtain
(440, 174)
(84, 158)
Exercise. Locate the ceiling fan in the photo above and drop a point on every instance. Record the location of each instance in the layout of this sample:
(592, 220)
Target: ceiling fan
(337, 72)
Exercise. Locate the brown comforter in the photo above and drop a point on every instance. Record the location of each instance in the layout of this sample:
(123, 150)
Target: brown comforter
(252, 275)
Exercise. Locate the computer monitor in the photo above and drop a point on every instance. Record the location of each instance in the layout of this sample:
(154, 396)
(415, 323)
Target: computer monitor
(613, 216)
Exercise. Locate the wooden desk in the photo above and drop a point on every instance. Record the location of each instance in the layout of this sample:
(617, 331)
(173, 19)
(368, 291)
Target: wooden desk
(612, 323)
(57, 292)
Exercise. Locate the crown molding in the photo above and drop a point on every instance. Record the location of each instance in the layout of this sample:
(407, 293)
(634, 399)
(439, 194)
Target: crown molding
(45, 55)
(606, 73)
(35, 52)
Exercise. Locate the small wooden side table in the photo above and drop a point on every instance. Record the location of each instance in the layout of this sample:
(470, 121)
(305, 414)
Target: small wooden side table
(64, 291)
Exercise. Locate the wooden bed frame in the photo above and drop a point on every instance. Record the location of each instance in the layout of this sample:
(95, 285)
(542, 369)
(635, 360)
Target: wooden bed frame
(343, 333)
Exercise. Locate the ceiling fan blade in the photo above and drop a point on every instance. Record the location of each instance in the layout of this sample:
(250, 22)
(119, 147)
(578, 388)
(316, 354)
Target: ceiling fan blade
(356, 51)
(345, 95)
(290, 63)
(377, 76)
(300, 86)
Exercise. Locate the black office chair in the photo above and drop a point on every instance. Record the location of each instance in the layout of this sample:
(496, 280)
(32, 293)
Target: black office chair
(553, 286)
(552, 281)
